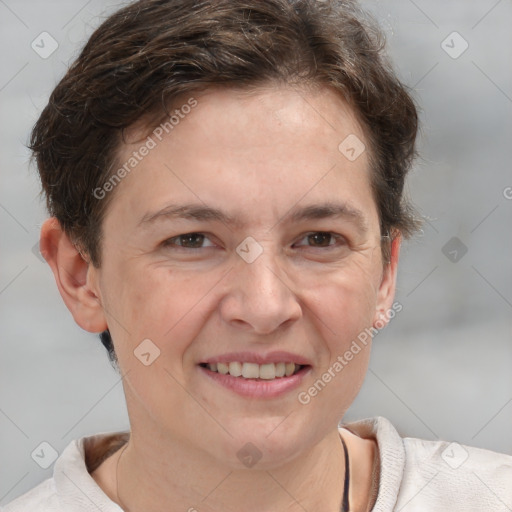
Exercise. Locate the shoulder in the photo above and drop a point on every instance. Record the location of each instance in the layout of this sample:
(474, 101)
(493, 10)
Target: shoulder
(455, 476)
(72, 487)
(42, 498)
(419, 475)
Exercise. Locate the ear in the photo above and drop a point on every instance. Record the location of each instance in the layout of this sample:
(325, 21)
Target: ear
(387, 287)
(75, 277)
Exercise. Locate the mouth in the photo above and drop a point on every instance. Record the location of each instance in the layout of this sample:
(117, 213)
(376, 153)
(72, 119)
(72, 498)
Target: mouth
(254, 376)
(255, 371)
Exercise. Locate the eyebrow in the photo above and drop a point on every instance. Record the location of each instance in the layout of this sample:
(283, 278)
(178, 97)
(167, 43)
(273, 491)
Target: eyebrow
(189, 211)
(331, 210)
(198, 212)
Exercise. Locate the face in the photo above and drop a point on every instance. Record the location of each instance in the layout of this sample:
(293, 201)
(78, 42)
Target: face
(244, 236)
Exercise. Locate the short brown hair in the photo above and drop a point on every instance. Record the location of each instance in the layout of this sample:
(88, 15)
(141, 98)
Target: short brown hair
(144, 56)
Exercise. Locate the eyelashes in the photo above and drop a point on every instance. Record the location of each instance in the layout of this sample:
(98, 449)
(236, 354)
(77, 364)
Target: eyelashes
(314, 239)
(320, 237)
(187, 241)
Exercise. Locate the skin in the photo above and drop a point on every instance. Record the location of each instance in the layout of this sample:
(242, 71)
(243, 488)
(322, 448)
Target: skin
(258, 157)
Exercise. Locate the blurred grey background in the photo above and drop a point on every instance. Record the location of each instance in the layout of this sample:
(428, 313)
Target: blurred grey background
(442, 369)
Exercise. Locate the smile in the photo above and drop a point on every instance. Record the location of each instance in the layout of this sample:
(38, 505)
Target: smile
(269, 371)
(259, 378)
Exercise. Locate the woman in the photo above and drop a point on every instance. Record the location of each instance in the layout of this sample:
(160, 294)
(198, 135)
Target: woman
(225, 183)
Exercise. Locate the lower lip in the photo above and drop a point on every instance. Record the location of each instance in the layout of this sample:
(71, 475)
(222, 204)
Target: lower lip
(258, 388)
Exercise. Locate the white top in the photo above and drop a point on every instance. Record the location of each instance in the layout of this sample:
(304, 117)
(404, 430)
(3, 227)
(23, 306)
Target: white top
(415, 475)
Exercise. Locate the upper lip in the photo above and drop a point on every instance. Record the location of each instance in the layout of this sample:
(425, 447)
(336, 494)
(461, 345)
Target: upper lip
(255, 357)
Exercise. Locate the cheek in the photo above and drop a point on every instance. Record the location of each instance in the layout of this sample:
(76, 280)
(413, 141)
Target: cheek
(346, 299)
(343, 306)
(163, 305)
(343, 313)
(347, 336)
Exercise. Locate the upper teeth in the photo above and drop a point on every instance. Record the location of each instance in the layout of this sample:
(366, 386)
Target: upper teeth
(253, 370)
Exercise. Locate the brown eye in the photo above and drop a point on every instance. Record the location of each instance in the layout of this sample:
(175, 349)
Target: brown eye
(189, 241)
(320, 239)
(192, 240)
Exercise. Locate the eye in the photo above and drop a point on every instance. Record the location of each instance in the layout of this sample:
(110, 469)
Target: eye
(321, 239)
(189, 241)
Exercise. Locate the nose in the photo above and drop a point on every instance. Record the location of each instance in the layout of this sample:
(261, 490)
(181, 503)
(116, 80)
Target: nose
(260, 298)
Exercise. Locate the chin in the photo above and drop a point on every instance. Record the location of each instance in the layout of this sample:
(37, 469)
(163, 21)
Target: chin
(266, 443)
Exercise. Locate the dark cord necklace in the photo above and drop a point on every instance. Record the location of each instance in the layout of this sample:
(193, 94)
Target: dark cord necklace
(345, 506)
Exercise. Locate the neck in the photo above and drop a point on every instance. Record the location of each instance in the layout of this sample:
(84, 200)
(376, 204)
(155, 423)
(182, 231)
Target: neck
(152, 472)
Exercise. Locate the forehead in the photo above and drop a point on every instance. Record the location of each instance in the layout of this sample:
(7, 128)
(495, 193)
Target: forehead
(265, 149)
(261, 110)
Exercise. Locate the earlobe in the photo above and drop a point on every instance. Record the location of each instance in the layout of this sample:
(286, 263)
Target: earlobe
(73, 277)
(386, 292)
